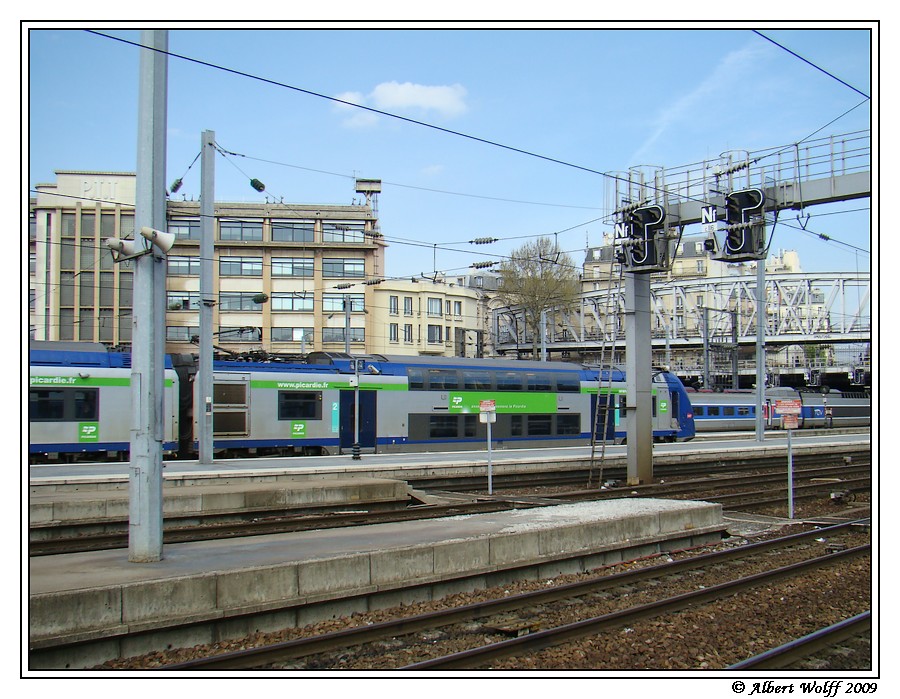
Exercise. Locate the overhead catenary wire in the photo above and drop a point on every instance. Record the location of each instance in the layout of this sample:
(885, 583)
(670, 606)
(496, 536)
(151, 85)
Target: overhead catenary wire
(400, 117)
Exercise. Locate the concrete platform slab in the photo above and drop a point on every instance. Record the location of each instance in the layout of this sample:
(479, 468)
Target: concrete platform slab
(51, 505)
(95, 596)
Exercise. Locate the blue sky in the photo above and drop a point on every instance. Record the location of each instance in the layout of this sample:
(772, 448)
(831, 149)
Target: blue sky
(604, 100)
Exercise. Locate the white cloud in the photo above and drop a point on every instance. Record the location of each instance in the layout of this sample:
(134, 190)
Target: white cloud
(442, 100)
(734, 68)
(446, 100)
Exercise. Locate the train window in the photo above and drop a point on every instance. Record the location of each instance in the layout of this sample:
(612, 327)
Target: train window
(299, 405)
(443, 426)
(539, 425)
(477, 380)
(516, 426)
(470, 425)
(728, 410)
(416, 379)
(568, 424)
(539, 382)
(45, 405)
(509, 381)
(442, 379)
(568, 383)
(63, 405)
(745, 410)
(230, 394)
(712, 410)
(85, 404)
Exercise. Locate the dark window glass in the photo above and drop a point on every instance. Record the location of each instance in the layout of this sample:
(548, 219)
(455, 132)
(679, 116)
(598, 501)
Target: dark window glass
(299, 405)
(568, 424)
(442, 379)
(45, 405)
(293, 231)
(728, 410)
(416, 379)
(470, 425)
(63, 404)
(539, 382)
(539, 425)
(443, 427)
(477, 380)
(568, 383)
(516, 423)
(712, 410)
(509, 381)
(240, 230)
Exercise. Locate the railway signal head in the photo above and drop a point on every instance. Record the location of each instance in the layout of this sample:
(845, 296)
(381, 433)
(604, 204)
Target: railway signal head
(646, 248)
(745, 231)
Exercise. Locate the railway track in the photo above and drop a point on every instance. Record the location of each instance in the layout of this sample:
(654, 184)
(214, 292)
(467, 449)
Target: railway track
(726, 489)
(520, 625)
(790, 653)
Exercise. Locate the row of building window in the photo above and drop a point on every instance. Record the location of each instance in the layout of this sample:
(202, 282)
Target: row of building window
(278, 301)
(232, 266)
(185, 333)
(282, 231)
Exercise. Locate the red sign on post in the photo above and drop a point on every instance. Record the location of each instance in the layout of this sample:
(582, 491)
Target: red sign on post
(487, 406)
(790, 422)
(788, 407)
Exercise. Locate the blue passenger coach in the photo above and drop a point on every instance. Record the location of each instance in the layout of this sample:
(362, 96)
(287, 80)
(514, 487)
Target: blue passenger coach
(309, 408)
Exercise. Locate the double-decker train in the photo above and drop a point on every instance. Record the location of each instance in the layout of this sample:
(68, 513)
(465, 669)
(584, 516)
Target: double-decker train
(80, 404)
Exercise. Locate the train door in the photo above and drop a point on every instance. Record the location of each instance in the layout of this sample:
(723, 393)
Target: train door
(367, 421)
(674, 411)
(606, 420)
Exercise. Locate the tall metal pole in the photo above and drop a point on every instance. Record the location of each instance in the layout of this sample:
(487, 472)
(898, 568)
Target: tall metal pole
(706, 348)
(207, 294)
(347, 311)
(638, 359)
(543, 335)
(735, 375)
(760, 349)
(145, 512)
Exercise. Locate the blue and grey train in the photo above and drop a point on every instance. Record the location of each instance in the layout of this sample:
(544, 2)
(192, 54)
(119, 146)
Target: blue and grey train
(735, 410)
(80, 404)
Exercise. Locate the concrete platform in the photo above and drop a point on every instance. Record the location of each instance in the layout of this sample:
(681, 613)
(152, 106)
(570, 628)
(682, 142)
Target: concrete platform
(233, 587)
(67, 502)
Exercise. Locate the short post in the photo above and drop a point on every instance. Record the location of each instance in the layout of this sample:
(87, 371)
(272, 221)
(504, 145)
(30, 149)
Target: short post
(488, 415)
(790, 471)
(790, 420)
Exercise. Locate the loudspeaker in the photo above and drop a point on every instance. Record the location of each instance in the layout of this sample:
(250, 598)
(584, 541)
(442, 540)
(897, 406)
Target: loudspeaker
(125, 248)
(164, 241)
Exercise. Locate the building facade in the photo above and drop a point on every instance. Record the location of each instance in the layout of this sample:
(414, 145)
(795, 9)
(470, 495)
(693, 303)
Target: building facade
(427, 317)
(287, 277)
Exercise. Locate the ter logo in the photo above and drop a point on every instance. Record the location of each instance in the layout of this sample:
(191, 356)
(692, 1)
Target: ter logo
(88, 431)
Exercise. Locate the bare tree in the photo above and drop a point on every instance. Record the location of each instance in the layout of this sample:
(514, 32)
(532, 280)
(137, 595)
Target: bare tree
(537, 277)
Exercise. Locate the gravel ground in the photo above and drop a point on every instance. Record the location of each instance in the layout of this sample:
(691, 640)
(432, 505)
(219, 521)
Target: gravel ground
(708, 637)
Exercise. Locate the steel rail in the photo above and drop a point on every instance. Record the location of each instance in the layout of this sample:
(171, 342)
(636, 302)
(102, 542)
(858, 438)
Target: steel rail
(808, 645)
(284, 521)
(539, 640)
(302, 647)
